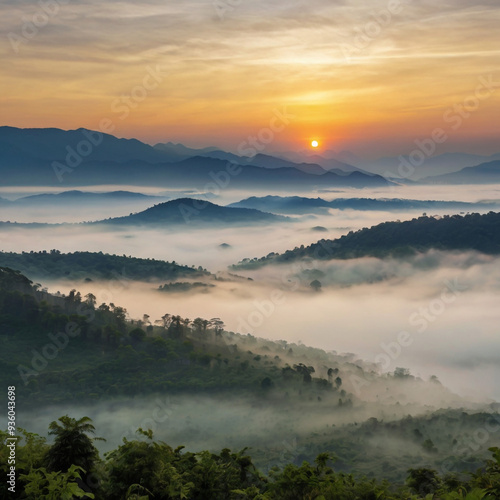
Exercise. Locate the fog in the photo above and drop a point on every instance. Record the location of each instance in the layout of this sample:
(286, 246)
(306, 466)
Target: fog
(64, 212)
(446, 302)
(279, 430)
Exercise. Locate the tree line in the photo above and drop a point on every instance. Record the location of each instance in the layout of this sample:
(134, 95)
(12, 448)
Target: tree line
(141, 469)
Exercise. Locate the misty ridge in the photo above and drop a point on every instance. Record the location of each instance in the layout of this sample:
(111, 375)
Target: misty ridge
(468, 232)
(302, 205)
(175, 316)
(250, 250)
(77, 156)
(251, 387)
(186, 211)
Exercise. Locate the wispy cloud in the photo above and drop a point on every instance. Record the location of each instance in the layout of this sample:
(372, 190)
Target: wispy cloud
(223, 72)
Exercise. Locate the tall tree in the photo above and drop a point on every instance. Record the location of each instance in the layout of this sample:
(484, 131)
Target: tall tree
(72, 445)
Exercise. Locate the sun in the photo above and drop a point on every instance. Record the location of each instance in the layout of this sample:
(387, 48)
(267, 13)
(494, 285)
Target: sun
(314, 144)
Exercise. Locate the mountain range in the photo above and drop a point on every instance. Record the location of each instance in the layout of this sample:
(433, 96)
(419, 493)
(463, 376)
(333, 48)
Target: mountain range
(486, 173)
(302, 205)
(431, 166)
(182, 211)
(80, 197)
(48, 157)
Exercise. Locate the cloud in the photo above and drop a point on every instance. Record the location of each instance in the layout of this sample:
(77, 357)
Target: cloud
(229, 72)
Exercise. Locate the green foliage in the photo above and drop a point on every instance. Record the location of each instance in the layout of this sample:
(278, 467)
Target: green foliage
(72, 446)
(423, 481)
(400, 240)
(111, 356)
(94, 266)
(185, 287)
(143, 470)
(44, 485)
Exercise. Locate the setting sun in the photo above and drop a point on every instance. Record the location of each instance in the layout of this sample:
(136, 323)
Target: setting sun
(314, 144)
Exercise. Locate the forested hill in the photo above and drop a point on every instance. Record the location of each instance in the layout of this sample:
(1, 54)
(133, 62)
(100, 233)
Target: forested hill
(468, 232)
(94, 266)
(189, 211)
(68, 350)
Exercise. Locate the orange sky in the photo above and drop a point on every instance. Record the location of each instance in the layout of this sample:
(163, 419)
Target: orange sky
(371, 79)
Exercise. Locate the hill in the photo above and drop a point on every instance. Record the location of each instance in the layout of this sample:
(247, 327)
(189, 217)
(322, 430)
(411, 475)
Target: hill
(469, 232)
(51, 144)
(94, 266)
(302, 205)
(188, 211)
(438, 165)
(266, 392)
(83, 197)
(166, 471)
(484, 173)
(267, 161)
(325, 160)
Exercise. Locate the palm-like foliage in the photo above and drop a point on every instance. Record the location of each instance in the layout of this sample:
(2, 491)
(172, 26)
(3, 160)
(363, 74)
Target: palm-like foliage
(72, 445)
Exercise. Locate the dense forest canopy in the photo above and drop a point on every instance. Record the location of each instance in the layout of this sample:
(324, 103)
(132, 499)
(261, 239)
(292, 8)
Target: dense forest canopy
(143, 468)
(70, 350)
(400, 239)
(95, 266)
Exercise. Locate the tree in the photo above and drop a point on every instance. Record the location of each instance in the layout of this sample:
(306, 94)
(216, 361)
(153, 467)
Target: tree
(72, 445)
(266, 383)
(120, 314)
(90, 299)
(44, 485)
(315, 285)
(305, 371)
(176, 328)
(428, 446)
(165, 321)
(137, 335)
(74, 297)
(423, 481)
(218, 325)
(200, 325)
(401, 372)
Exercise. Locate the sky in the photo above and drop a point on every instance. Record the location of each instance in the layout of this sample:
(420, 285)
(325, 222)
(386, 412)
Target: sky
(371, 77)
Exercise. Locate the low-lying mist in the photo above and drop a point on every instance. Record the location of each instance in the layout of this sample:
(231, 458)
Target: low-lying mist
(445, 302)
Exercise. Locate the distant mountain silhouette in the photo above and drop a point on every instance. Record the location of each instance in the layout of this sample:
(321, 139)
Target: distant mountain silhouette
(267, 161)
(302, 205)
(186, 211)
(51, 144)
(182, 152)
(326, 160)
(432, 166)
(48, 157)
(485, 173)
(76, 196)
(311, 164)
